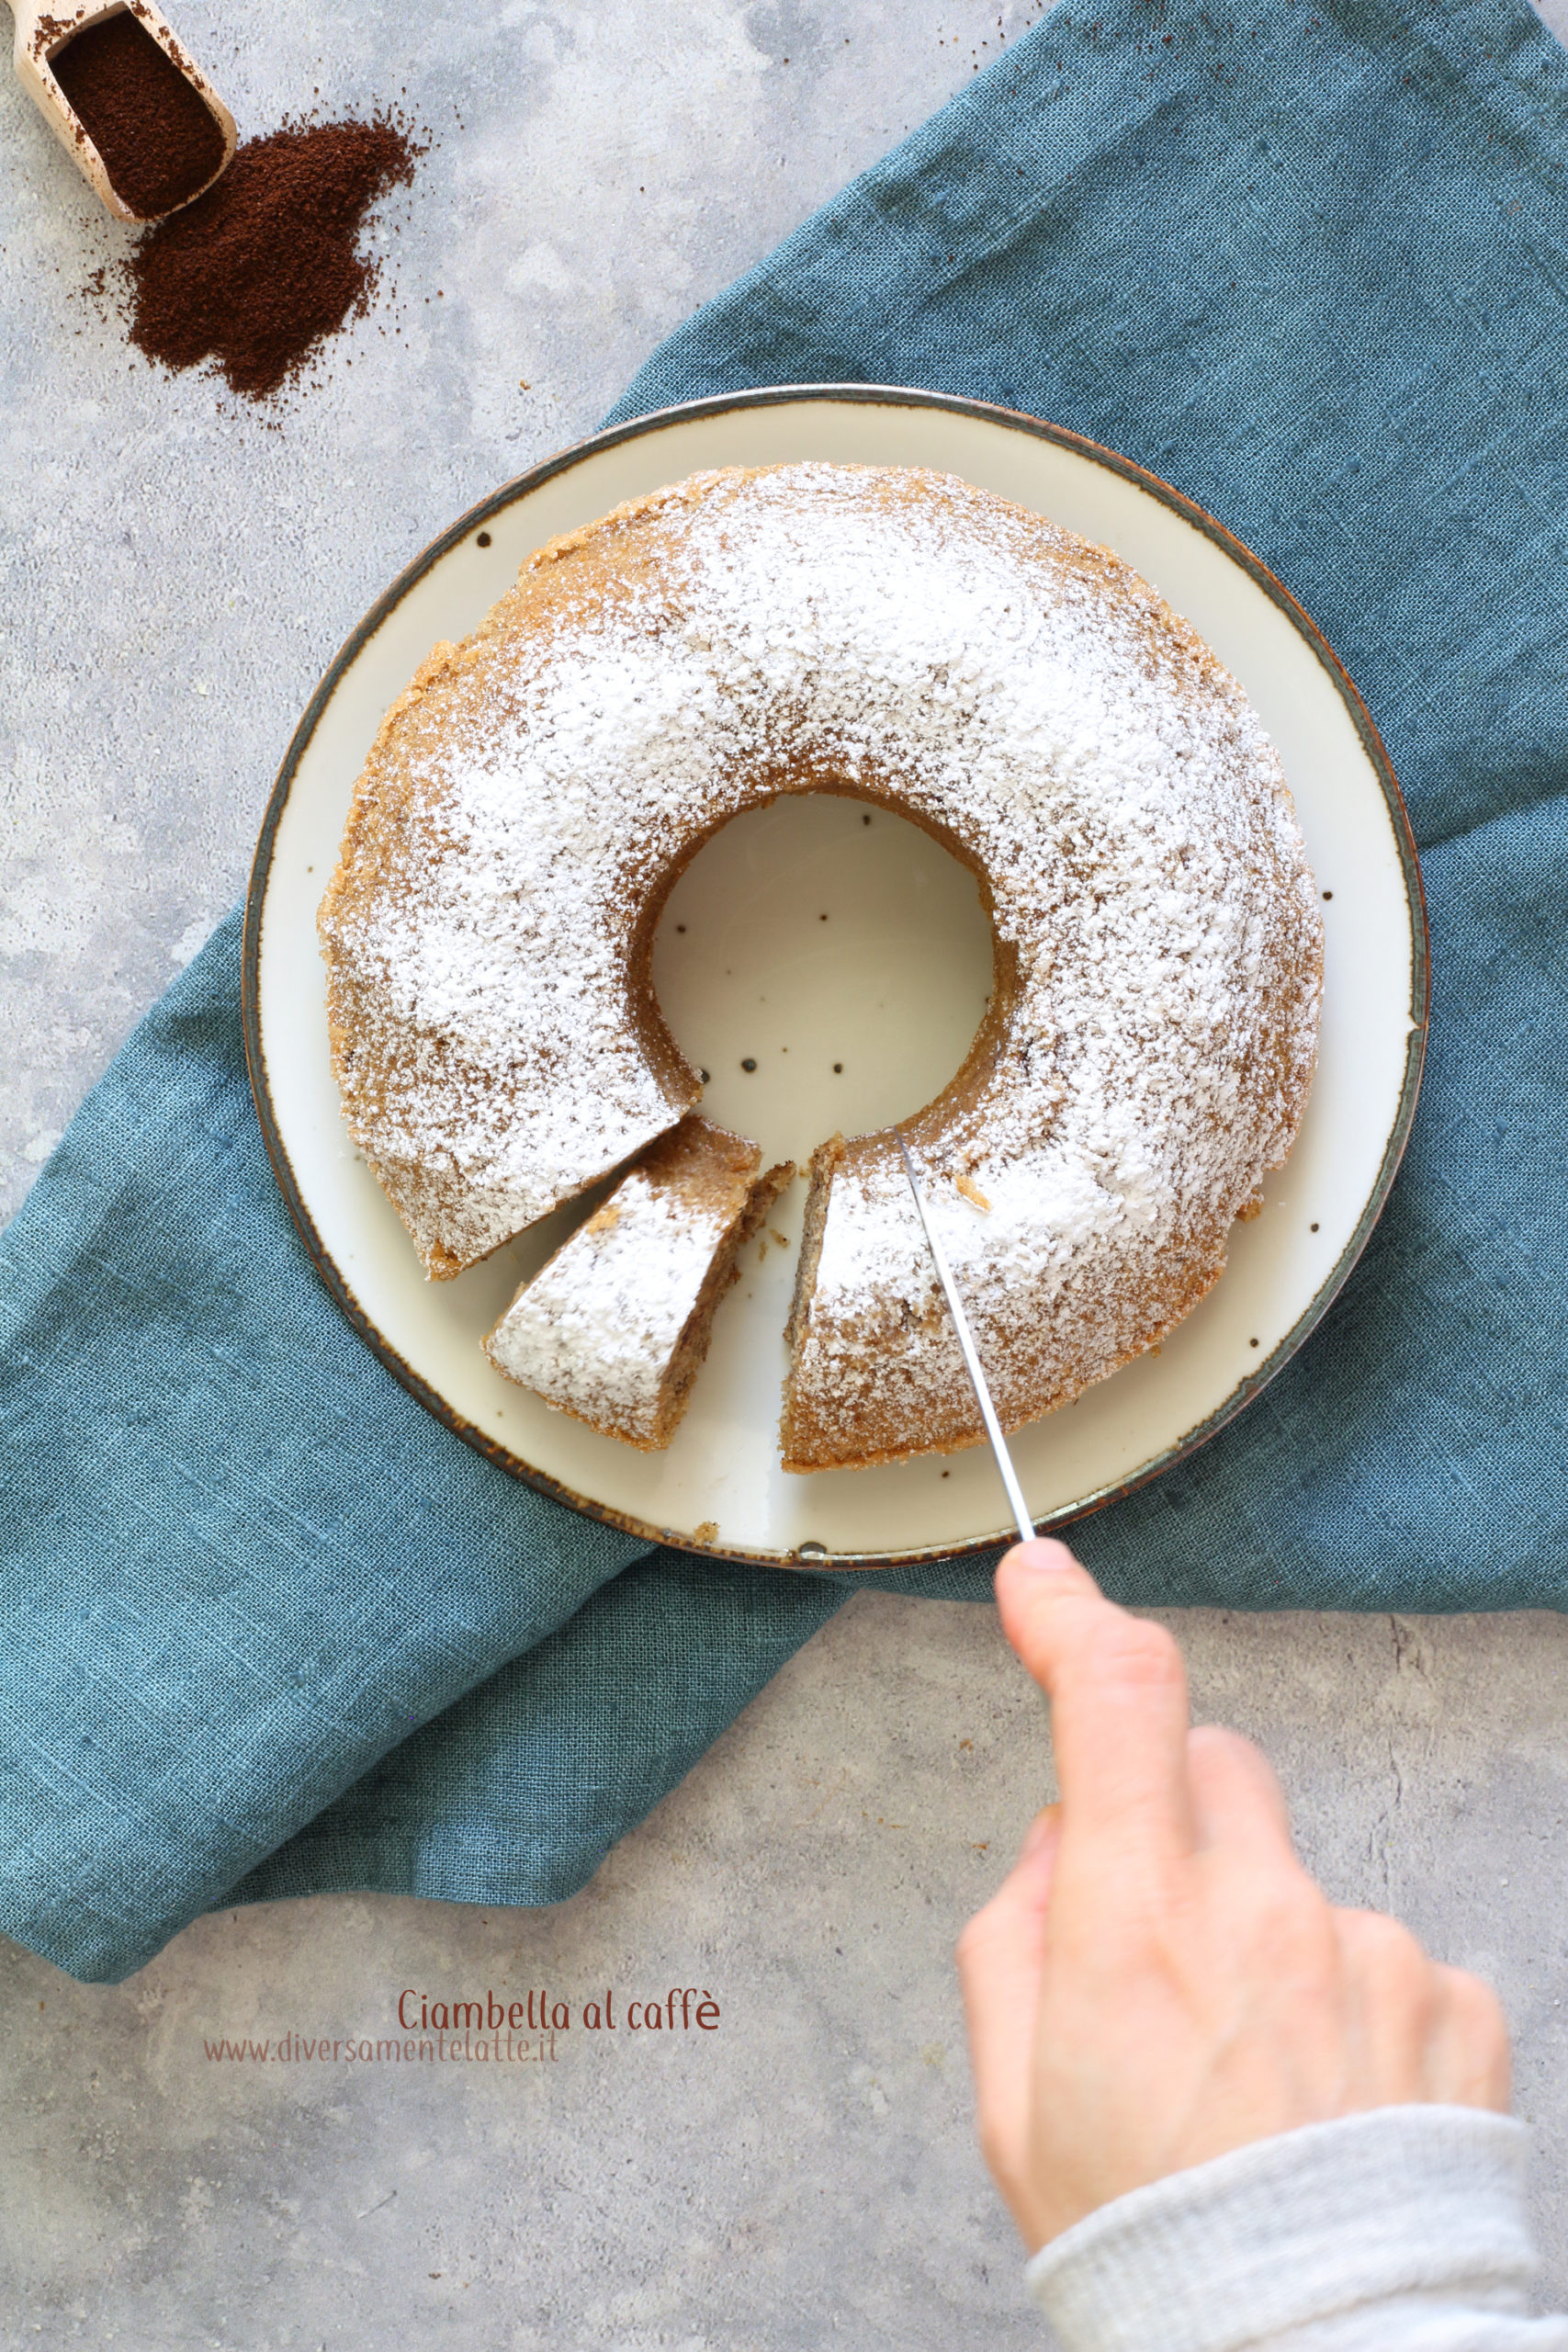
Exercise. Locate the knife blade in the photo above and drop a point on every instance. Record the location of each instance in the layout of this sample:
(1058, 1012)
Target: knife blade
(971, 1359)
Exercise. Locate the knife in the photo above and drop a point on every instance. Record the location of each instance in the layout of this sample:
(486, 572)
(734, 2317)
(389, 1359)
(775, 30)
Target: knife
(1009, 1476)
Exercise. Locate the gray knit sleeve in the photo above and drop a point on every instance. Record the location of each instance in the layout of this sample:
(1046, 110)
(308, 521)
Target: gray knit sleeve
(1399, 2230)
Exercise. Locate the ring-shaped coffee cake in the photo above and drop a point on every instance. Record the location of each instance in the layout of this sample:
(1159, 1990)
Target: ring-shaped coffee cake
(906, 638)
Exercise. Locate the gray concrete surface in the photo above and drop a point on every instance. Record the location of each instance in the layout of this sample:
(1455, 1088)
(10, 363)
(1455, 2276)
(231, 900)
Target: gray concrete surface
(177, 573)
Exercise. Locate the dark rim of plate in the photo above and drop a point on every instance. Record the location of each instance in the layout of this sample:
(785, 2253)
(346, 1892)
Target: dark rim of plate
(872, 395)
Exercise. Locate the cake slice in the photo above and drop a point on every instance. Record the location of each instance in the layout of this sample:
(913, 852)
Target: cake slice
(615, 1327)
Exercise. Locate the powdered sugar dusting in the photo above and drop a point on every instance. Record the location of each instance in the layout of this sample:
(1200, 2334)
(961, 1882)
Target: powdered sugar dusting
(916, 640)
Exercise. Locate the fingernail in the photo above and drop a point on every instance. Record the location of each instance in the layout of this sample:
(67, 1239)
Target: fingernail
(1043, 1556)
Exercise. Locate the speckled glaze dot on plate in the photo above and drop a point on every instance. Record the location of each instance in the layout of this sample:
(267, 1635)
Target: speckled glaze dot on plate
(746, 982)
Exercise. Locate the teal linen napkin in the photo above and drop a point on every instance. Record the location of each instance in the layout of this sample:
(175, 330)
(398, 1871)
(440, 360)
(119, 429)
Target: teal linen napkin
(269, 1630)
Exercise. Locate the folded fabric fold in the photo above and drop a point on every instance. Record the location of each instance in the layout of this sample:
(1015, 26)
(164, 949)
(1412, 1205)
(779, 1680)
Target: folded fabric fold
(268, 1628)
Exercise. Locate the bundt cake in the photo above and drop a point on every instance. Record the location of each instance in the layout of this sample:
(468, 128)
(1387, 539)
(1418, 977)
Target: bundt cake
(907, 638)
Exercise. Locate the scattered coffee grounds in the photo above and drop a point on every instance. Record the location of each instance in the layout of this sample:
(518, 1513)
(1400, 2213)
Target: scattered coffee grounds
(266, 265)
(158, 140)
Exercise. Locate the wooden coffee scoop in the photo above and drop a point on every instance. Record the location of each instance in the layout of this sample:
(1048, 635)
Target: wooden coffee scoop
(42, 36)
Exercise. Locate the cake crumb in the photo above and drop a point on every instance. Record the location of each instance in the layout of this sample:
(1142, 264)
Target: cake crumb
(706, 1532)
(971, 1191)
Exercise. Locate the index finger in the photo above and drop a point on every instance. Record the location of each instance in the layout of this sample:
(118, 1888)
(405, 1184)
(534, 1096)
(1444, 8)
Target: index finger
(1118, 1693)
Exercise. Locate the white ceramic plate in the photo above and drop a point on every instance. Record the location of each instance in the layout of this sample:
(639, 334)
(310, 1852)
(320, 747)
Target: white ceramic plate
(891, 986)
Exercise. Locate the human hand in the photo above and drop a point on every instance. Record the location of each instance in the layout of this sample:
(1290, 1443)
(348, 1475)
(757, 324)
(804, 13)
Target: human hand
(1159, 1980)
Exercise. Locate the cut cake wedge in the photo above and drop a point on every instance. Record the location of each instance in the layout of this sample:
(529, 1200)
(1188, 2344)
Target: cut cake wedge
(615, 1327)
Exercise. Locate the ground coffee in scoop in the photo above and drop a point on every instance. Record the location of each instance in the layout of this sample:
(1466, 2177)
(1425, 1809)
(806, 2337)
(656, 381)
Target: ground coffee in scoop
(158, 140)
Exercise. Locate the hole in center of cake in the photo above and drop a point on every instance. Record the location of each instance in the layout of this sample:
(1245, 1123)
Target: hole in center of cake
(827, 963)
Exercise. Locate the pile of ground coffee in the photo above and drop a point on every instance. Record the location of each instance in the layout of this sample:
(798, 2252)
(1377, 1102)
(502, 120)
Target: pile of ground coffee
(158, 140)
(266, 264)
